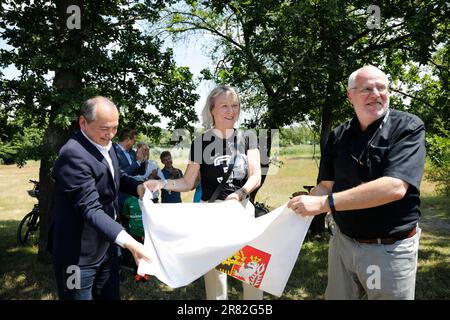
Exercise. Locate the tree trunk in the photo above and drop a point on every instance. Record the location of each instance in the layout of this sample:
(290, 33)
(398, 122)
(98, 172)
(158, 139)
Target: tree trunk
(54, 139)
(318, 224)
(327, 121)
(265, 147)
(67, 83)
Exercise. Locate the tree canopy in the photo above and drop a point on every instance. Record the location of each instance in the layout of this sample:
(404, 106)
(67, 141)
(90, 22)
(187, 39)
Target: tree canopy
(109, 55)
(293, 58)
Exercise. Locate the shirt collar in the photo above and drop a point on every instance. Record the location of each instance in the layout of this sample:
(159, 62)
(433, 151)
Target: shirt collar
(122, 148)
(355, 126)
(100, 148)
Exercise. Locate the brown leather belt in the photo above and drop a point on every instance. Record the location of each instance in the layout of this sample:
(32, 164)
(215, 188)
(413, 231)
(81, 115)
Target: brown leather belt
(404, 235)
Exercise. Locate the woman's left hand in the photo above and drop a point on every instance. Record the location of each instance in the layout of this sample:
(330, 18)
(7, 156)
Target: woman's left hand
(233, 196)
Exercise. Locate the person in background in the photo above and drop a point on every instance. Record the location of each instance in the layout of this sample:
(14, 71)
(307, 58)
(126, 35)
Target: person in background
(198, 190)
(170, 172)
(132, 210)
(129, 160)
(151, 168)
(369, 179)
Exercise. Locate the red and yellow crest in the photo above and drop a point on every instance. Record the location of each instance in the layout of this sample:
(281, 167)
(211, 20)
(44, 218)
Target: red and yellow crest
(248, 265)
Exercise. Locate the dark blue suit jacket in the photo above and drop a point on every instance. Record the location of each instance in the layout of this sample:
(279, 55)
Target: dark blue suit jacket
(132, 169)
(85, 203)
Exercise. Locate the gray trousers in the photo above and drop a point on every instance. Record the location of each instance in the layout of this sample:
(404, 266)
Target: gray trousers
(371, 271)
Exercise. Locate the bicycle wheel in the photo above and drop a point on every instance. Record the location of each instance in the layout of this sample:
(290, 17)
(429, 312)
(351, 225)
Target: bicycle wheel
(28, 227)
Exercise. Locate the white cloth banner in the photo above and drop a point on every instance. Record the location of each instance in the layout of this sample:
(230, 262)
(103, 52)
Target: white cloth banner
(186, 240)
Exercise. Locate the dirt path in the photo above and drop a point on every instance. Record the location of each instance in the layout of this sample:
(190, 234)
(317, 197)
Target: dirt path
(431, 219)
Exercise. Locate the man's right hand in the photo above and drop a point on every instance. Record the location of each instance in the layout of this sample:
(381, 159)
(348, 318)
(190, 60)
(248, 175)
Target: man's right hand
(137, 250)
(309, 205)
(141, 191)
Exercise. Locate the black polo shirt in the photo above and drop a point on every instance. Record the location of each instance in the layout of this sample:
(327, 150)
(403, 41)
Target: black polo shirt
(392, 146)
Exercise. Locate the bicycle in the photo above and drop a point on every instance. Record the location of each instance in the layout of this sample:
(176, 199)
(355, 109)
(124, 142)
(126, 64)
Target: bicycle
(29, 226)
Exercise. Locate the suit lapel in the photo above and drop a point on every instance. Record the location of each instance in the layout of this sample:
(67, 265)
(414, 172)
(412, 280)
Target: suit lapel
(115, 162)
(119, 153)
(105, 162)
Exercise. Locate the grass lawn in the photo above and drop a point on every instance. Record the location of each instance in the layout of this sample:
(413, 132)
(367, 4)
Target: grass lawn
(23, 277)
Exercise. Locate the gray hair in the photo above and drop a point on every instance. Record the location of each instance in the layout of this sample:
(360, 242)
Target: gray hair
(89, 107)
(207, 118)
(140, 144)
(352, 78)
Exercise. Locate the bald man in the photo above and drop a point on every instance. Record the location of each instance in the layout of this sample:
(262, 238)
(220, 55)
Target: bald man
(84, 233)
(369, 180)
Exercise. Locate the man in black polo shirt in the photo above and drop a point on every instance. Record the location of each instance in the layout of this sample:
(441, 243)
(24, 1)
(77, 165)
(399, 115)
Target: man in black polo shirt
(369, 179)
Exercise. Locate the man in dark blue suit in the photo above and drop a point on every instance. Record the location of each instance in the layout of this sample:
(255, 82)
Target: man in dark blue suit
(129, 160)
(84, 232)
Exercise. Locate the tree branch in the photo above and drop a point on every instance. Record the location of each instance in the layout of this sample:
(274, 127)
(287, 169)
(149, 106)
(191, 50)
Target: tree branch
(386, 44)
(412, 97)
(258, 68)
(205, 26)
(367, 31)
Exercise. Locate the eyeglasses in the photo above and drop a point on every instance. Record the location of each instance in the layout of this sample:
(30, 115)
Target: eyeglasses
(368, 90)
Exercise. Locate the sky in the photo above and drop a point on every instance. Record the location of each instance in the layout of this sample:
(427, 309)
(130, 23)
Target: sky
(192, 54)
(9, 72)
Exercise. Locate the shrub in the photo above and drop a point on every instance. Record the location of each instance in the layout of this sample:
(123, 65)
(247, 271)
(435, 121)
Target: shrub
(438, 150)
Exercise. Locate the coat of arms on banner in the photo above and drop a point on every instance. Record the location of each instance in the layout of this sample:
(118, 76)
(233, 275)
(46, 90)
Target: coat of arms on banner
(248, 265)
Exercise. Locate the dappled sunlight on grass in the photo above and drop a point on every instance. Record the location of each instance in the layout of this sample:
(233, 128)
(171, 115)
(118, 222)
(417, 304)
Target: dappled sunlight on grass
(27, 284)
(291, 177)
(309, 276)
(436, 239)
(23, 250)
(435, 214)
(433, 276)
(14, 199)
(22, 276)
(300, 294)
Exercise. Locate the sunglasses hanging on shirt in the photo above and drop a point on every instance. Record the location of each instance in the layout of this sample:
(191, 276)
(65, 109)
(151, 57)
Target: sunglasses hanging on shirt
(366, 149)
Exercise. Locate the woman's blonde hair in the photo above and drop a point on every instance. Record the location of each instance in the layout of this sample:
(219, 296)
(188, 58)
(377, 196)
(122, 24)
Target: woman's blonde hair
(207, 118)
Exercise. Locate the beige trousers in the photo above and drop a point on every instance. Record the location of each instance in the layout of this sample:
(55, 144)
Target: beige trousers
(216, 282)
(216, 287)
